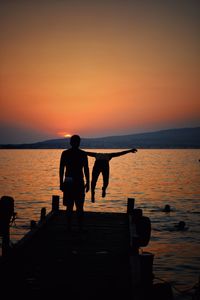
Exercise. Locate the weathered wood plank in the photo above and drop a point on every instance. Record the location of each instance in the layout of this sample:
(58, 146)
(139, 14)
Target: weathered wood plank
(84, 265)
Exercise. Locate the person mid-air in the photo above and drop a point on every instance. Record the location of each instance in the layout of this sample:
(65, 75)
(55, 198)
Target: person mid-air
(101, 165)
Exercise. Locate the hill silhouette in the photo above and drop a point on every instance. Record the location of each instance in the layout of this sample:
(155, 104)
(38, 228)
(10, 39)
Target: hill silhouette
(163, 139)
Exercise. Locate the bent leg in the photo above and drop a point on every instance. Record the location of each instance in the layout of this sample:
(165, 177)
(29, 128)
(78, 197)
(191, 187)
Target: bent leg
(95, 175)
(105, 174)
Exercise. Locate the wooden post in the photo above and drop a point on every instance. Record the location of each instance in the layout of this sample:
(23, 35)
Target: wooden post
(130, 205)
(6, 214)
(55, 203)
(43, 214)
(146, 265)
(33, 224)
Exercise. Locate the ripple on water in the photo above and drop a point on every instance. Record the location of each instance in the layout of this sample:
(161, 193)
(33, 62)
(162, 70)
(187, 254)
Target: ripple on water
(154, 178)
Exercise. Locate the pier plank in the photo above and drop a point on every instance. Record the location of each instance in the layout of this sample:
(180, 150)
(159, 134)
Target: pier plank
(93, 264)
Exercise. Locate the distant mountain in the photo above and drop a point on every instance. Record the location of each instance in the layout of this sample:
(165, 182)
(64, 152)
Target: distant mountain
(165, 139)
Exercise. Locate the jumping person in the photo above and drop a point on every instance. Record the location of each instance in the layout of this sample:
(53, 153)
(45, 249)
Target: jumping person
(73, 167)
(101, 165)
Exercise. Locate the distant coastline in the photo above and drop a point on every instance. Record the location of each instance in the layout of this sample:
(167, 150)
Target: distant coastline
(184, 138)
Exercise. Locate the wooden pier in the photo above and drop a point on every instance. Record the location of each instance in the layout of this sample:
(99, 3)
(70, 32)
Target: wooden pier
(100, 262)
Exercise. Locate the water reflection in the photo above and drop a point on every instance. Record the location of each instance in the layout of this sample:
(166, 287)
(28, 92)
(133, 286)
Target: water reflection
(154, 177)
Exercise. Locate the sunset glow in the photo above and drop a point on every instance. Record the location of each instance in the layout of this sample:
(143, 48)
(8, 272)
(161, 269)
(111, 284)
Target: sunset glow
(97, 68)
(67, 135)
(63, 134)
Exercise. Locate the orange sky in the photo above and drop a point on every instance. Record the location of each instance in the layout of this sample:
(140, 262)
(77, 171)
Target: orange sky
(98, 68)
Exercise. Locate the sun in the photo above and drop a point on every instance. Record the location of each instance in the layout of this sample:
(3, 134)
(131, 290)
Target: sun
(64, 134)
(67, 135)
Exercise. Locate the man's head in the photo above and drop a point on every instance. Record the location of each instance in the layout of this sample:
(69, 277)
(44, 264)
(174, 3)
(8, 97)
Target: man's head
(75, 141)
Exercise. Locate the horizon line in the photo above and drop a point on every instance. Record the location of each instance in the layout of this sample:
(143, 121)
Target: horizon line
(102, 137)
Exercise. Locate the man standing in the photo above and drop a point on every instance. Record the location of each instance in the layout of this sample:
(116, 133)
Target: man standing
(73, 167)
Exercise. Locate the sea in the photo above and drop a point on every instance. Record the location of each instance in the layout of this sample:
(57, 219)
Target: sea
(154, 177)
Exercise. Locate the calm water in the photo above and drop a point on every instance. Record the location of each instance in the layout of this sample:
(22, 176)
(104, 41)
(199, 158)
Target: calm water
(153, 177)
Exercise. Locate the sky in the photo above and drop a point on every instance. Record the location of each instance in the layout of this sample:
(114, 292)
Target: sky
(97, 68)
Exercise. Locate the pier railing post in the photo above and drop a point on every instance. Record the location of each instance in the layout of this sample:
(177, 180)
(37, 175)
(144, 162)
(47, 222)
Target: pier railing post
(33, 224)
(43, 214)
(141, 263)
(55, 203)
(6, 215)
(130, 205)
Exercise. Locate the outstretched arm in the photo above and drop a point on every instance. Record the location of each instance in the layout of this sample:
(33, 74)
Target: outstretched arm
(93, 154)
(122, 152)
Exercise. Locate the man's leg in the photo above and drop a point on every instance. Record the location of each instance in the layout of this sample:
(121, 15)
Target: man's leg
(105, 174)
(80, 213)
(95, 174)
(69, 209)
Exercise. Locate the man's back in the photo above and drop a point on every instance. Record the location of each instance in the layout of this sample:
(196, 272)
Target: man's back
(74, 159)
(74, 163)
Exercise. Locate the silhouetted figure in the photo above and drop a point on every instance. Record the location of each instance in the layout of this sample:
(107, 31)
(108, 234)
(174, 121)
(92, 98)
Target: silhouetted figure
(167, 208)
(101, 165)
(181, 226)
(73, 167)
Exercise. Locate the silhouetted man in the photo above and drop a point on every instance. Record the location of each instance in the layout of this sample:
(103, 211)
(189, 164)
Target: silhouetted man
(101, 165)
(73, 167)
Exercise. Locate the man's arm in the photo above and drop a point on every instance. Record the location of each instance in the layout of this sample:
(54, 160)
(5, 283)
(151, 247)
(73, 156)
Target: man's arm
(61, 171)
(122, 152)
(93, 154)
